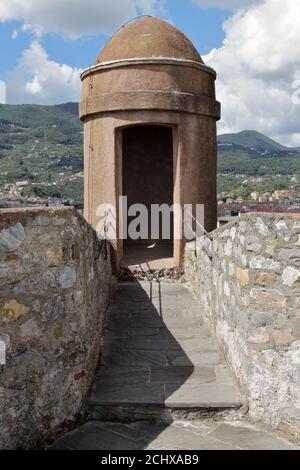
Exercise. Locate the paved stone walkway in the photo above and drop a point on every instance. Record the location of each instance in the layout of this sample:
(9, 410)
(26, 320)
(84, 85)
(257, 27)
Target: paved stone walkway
(156, 351)
(159, 362)
(203, 435)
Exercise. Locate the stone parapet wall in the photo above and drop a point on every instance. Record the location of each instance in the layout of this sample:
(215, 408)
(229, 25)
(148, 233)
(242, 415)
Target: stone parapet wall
(55, 283)
(246, 275)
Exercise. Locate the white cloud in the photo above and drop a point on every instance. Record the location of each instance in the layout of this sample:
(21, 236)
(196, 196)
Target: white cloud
(2, 92)
(35, 29)
(227, 4)
(257, 66)
(37, 79)
(74, 18)
(150, 7)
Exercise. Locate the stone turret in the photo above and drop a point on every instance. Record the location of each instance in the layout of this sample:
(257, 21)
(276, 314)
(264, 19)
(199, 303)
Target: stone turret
(149, 112)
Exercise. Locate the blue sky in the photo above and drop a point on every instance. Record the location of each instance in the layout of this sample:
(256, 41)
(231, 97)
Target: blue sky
(202, 25)
(254, 46)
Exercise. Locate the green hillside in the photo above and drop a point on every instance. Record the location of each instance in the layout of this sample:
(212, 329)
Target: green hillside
(43, 146)
(251, 139)
(243, 161)
(244, 171)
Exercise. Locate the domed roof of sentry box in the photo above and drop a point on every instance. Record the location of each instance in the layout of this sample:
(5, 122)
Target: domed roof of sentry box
(149, 37)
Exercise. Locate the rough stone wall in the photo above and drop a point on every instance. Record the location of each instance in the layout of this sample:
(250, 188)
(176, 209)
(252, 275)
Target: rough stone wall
(247, 278)
(55, 279)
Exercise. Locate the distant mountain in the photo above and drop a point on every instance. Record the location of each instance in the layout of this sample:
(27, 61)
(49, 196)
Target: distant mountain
(252, 139)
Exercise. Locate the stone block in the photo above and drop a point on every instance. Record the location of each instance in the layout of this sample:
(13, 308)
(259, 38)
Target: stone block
(30, 328)
(264, 278)
(271, 246)
(245, 300)
(231, 268)
(291, 255)
(67, 277)
(228, 248)
(37, 284)
(282, 337)
(261, 319)
(296, 227)
(225, 233)
(12, 238)
(261, 227)
(296, 329)
(269, 298)
(233, 232)
(260, 262)
(226, 288)
(54, 255)
(281, 320)
(243, 226)
(242, 276)
(253, 244)
(260, 339)
(13, 310)
(291, 276)
(4, 270)
(283, 231)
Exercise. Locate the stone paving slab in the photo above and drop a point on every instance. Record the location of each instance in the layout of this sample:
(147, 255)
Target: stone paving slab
(133, 393)
(172, 386)
(197, 344)
(202, 395)
(156, 350)
(198, 359)
(153, 344)
(97, 435)
(124, 374)
(92, 436)
(178, 375)
(123, 357)
(177, 322)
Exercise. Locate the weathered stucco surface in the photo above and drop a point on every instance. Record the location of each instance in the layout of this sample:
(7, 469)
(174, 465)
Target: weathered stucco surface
(55, 280)
(150, 74)
(247, 278)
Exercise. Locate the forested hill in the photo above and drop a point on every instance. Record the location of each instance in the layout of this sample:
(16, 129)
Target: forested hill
(42, 145)
(252, 140)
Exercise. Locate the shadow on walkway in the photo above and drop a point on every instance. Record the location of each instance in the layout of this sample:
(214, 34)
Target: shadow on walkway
(158, 360)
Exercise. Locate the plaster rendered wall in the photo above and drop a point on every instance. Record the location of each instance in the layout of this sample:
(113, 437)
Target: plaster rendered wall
(194, 167)
(160, 77)
(55, 280)
(145, 87)
(247, 279)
